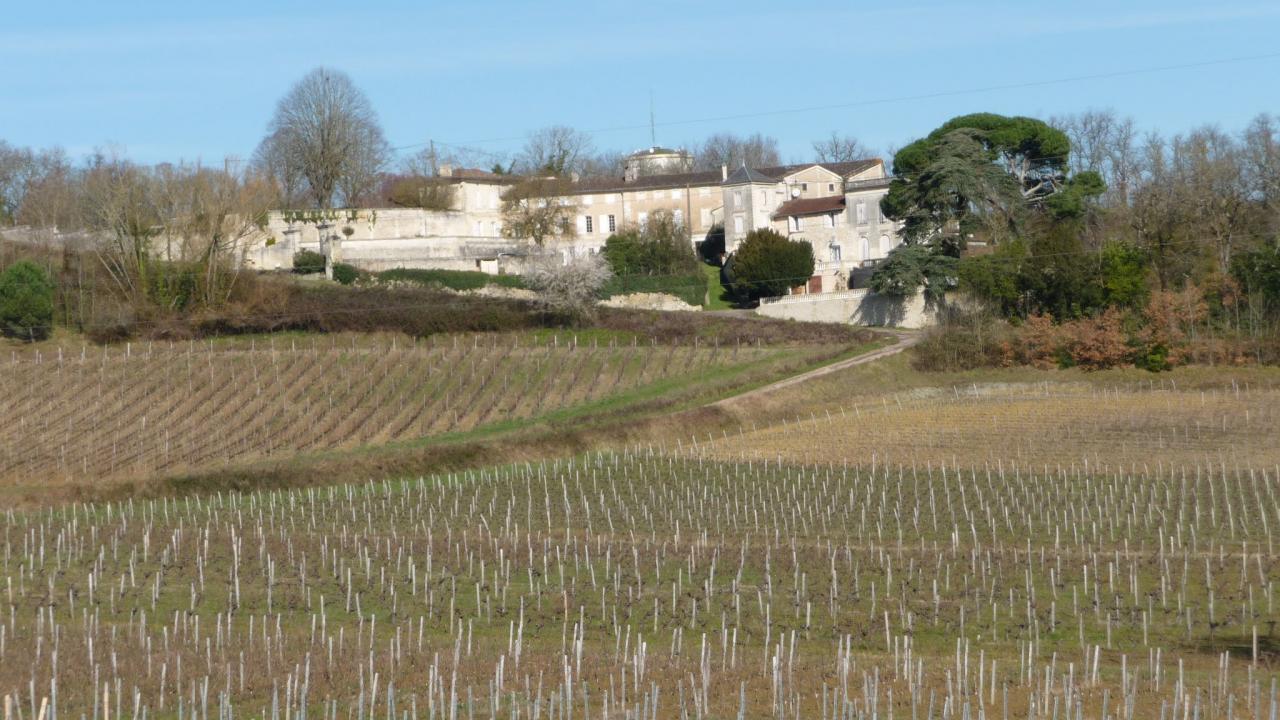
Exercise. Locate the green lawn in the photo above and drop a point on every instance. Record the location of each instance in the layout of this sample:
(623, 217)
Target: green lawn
(715, 291)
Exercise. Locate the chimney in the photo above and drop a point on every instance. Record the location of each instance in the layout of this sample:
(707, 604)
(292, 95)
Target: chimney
(724, 173)
(446, 170)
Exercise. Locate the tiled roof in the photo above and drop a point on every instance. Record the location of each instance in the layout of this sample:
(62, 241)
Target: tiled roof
(745, 174)
(711, 177)
(475, 173)
(810, 206)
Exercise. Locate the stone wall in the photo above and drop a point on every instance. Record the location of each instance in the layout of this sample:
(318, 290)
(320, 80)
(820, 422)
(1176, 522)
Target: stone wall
(392, 238)
(855, 307)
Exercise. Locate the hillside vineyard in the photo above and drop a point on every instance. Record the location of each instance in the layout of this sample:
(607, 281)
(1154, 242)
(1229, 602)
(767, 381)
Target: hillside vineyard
(639, 584)
(168, 407)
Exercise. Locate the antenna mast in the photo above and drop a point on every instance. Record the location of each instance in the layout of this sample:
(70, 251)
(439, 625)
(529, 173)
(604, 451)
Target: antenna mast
(653, 133)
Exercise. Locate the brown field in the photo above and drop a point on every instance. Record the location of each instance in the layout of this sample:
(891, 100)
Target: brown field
(1145, 426)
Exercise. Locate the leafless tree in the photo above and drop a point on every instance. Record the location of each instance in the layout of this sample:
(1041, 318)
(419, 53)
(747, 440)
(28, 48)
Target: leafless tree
(1262, 165)
(570, 288)
(209, 218)
(175, 234)
(556, 151)
(539, 210)
(50, 197)
(732, 150)
(271, 160)
(1105, 143)
(17, 164)
(325, 132)
(1159, 213)
(1211, 165)
(119, 204)
(368, 159)
(606, 164)
(840, 148)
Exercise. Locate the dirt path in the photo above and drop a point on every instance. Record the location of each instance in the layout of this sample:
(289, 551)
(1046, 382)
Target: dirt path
(905, 340)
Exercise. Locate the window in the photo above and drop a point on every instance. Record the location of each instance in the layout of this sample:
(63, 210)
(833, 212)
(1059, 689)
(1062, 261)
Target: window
(737, 224)
(644, 219)
(497, 228)
(589, 228)
(831, 187)
(704, 216)
(866, 248)
(862, 212)
(764, 198)
(835, 253)
(830, 220)
(613, 225)
(675, 194)
(737, 198)
(881, 212)
(478, 230)
(587, 199)
(884, 245)
(799, 223)
(804, 187)
(678, 216)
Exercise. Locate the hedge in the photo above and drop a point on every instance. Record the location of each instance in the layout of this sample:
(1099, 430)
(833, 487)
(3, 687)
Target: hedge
(452, 279)
(690, 288)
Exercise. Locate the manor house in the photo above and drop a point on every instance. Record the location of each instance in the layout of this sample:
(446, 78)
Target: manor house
(834, 206)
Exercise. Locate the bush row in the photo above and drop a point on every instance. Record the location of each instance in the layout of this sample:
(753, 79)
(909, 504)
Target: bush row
(1170, 330)
(452, 279)
(692, 289)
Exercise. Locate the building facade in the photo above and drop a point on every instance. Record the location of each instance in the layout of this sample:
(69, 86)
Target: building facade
(833, 206)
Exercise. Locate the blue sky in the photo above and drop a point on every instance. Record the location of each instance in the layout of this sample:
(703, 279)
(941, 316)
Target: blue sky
(178, 80)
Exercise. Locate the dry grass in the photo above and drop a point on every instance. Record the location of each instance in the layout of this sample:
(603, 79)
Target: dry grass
(1140, 425)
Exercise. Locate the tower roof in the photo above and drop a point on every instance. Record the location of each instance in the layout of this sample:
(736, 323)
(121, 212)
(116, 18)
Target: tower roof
(745, 174)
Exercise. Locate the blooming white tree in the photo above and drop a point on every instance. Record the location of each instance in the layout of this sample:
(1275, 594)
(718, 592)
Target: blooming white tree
(569, 288)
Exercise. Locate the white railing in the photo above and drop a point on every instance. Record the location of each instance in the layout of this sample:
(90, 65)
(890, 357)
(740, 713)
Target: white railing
(815, 297)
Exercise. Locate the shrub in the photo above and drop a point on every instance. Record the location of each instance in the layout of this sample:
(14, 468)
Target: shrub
(960, 341)
(1124, 274)
(307, 262)
(656, 258)
(1035, 343)
(1170, 319)
(569, 290)
(993, 278)
(767, 264)
(659, 248)
(1097, 342)
(26, 302)
(692, 289)
(345, 274)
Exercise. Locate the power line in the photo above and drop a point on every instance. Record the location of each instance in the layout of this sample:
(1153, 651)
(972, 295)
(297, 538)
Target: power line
(890, 100)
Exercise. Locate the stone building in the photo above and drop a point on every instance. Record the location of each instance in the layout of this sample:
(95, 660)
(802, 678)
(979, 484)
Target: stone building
(834, 206)
(656, 161)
